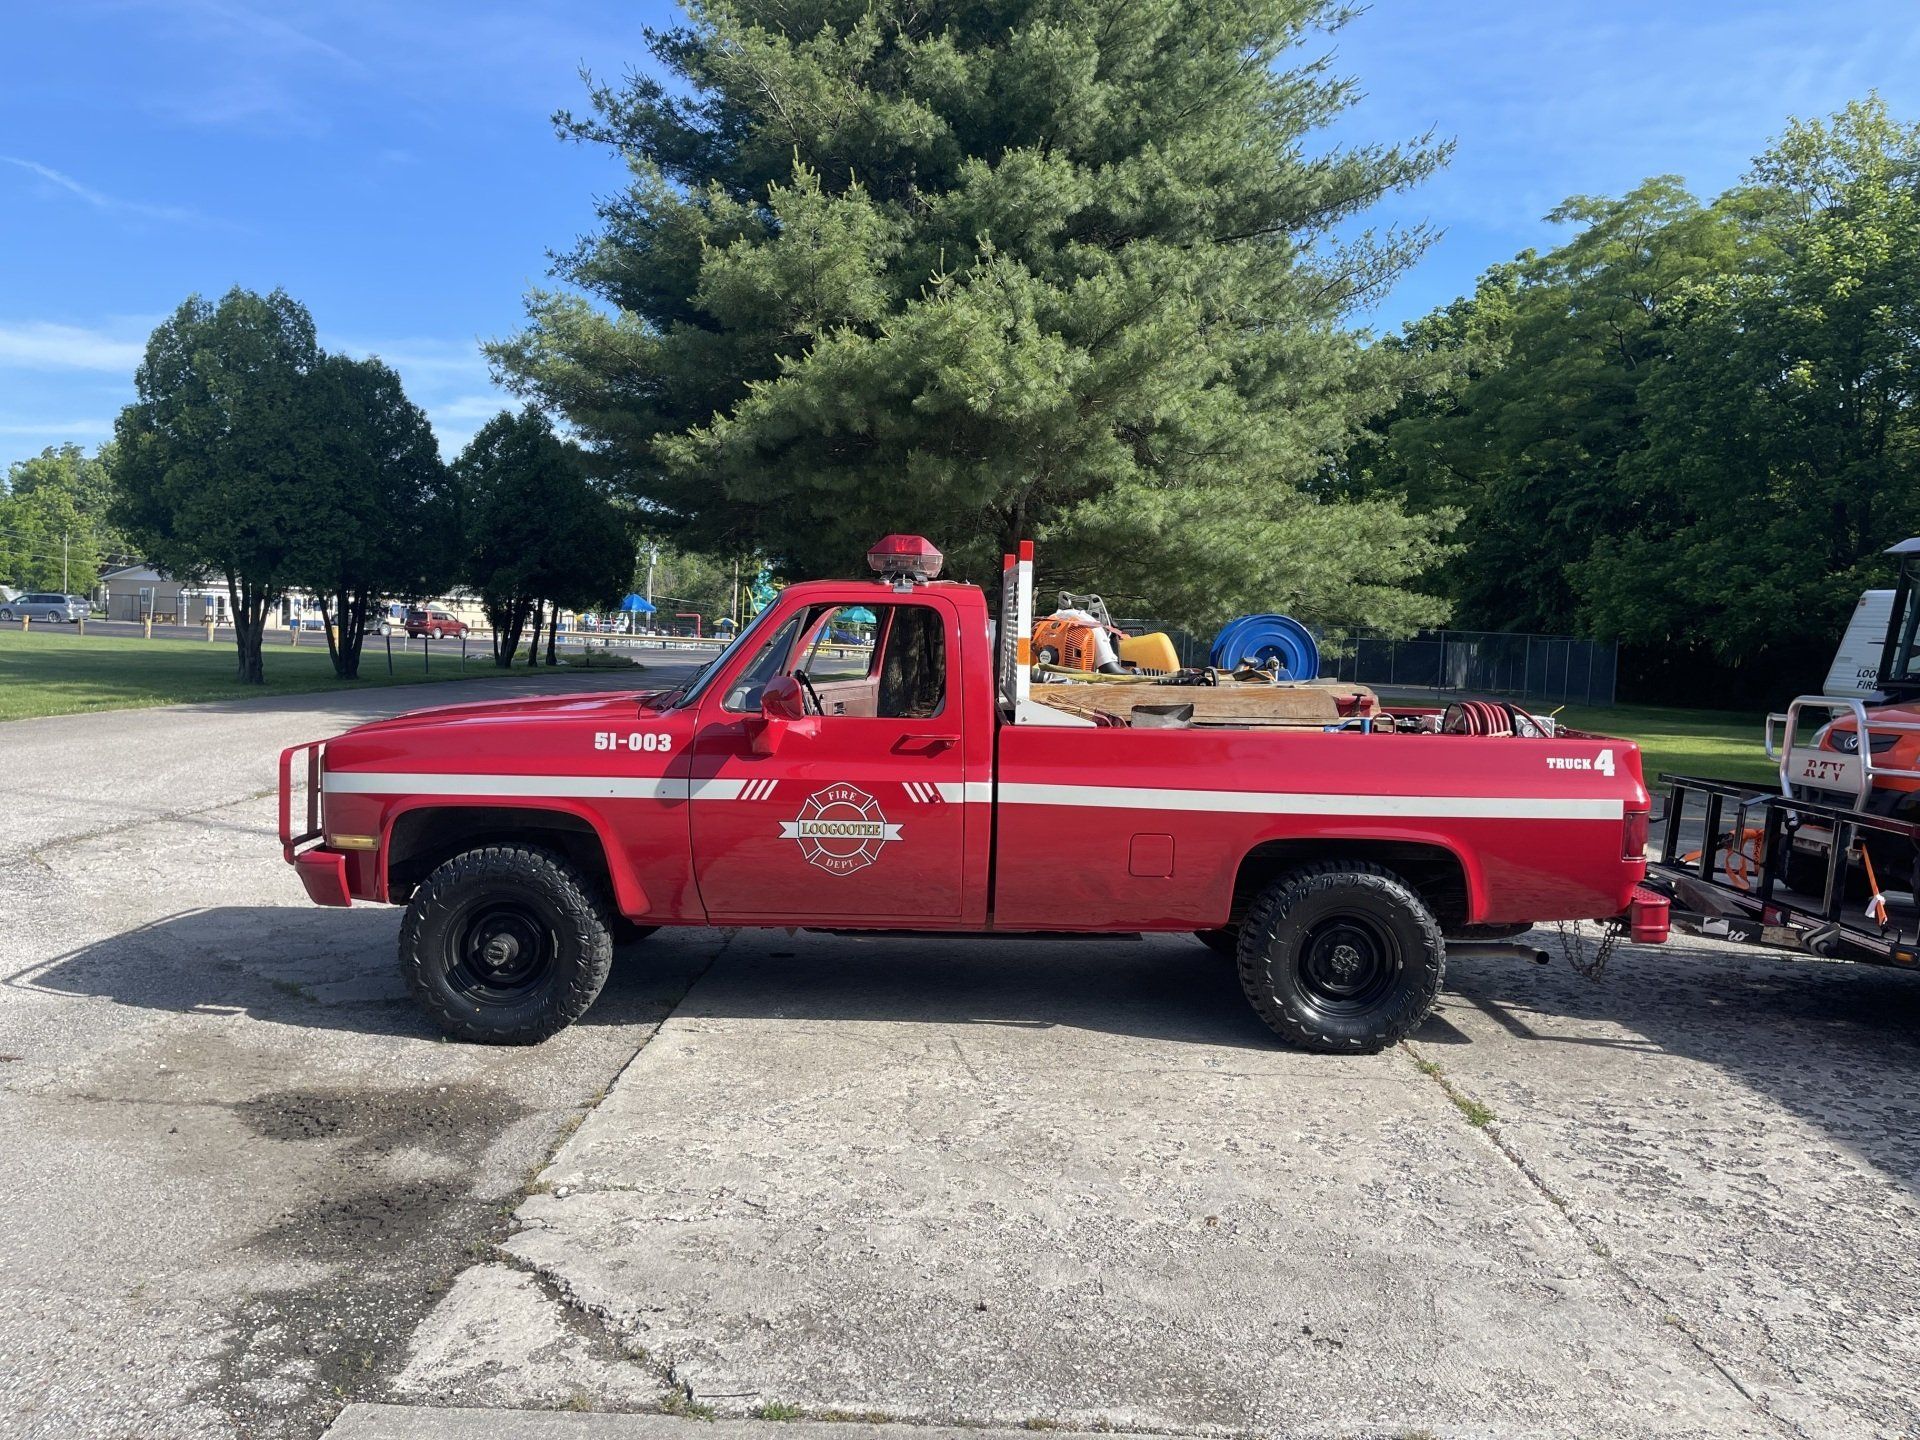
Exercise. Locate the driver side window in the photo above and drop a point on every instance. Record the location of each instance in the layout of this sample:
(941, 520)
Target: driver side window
(879, 661)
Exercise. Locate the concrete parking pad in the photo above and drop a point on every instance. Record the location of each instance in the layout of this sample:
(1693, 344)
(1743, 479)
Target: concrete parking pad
(238, 1167)
(1078, 1184)
(399, 1422)
(1740, 1136)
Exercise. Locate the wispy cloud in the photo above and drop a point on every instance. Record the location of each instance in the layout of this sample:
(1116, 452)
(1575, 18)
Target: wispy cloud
(69, 429)
(65, 184)
(262, 30)
(38, 345)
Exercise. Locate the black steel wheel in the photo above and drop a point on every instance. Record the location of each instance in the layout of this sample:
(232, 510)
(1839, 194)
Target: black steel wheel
(506, 945)
(1341, 957)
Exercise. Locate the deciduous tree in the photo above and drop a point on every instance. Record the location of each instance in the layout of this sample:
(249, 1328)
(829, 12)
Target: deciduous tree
(54, 531)
(212, 458)
(535, 527)
(381, 518)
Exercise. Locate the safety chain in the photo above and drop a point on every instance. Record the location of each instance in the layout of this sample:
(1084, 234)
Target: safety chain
(1574, 946)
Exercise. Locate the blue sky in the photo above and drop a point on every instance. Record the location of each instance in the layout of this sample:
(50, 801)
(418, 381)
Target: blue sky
(391, 164)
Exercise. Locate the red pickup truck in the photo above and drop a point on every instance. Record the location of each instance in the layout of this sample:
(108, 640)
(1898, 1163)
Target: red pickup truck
(866, 756)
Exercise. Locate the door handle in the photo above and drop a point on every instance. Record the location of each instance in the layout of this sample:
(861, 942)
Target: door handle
(923, 744)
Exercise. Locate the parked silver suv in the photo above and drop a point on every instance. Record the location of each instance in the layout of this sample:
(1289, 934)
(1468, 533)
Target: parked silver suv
(44, 605)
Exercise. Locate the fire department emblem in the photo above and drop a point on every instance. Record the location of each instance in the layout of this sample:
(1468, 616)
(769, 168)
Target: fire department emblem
(840, 829)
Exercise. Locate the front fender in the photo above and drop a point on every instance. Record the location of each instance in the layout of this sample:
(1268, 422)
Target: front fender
(629, 895)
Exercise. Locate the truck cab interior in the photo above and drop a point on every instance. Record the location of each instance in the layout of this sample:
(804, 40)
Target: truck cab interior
(878, 661)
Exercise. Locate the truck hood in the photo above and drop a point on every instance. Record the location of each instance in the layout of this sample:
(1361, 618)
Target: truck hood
(621, 704)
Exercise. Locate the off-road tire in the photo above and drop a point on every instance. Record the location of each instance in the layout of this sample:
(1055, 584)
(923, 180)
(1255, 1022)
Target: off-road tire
(525, 899)
(1808, 875)
(1293, 971)
(1224, 942)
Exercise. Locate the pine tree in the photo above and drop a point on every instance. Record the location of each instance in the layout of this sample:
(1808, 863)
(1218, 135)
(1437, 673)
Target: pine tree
(1039, 268)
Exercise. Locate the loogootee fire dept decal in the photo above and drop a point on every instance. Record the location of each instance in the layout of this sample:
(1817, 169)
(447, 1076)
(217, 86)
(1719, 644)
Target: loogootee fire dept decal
(840, 829)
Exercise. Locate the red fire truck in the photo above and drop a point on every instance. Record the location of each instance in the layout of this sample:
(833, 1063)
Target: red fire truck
(912, 782)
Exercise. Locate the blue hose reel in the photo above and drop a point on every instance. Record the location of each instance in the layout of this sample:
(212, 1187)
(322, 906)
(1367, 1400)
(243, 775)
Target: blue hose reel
(1256, 639)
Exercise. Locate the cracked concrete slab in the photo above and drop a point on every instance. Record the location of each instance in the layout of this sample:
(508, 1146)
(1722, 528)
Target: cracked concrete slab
(1741, 1135)
(238, 1168)
(1079, 1184)
(497, 1338)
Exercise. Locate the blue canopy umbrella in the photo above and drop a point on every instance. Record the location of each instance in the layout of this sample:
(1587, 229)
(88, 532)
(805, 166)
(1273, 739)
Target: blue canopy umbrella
(858, 615)
(637, 605)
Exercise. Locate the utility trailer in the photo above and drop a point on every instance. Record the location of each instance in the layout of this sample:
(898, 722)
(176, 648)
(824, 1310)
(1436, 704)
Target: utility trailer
(1733, 885)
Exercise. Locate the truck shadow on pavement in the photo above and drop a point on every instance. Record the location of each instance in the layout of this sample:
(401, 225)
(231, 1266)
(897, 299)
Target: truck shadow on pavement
(336, 969)
(326, 969)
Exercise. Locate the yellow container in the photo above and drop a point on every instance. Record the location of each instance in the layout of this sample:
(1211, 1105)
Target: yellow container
(1150, 652)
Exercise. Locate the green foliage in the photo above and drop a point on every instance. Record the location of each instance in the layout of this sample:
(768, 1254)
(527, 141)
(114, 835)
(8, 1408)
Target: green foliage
(1547, 356)
(687, 581)
(1782, 449)
(1692, 427)
(212, 457)
(54, 531)
(535, 528)
(380, 518)
(1044, 269)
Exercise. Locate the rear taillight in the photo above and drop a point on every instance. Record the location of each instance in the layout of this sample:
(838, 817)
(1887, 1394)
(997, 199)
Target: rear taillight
(1633, 838)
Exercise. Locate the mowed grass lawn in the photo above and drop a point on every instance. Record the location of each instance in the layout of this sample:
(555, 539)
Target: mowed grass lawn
(1721, 744)
(46, 671)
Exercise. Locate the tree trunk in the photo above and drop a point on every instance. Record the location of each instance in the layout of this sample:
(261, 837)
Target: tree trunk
(250, 602)
(508, 619)
(349, 620)
(553, 624)
(533, 650)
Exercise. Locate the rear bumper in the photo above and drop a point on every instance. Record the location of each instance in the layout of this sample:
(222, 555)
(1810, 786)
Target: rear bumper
(324, 873)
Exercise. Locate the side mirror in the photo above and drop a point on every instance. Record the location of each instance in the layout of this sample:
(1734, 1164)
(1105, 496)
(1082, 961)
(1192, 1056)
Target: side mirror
(781, 698)
(783, 708)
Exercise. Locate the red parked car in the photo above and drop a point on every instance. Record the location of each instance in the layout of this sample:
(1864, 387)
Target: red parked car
(433, 621)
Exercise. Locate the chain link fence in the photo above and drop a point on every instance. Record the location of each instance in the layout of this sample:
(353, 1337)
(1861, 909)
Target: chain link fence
(1549, 668)
(1546, 668)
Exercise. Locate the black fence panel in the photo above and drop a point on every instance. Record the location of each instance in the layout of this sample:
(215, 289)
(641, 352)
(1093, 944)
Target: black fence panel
(1547, 668)
(1544, 668)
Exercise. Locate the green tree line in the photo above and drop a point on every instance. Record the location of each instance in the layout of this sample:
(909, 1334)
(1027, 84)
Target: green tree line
(254, 457)
(54, 529)
(1693, 426)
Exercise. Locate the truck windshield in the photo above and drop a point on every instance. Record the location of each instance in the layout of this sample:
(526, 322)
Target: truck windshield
(697, 686)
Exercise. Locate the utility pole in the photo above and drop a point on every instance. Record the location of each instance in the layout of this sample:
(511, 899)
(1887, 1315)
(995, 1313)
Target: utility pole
(653, 557)
(63, 562)
(736, 594)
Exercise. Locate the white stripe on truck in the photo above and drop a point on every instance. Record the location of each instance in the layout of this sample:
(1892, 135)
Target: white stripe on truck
(1096, 797)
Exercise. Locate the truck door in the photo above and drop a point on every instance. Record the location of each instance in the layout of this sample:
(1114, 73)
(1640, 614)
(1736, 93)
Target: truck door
(858, 815)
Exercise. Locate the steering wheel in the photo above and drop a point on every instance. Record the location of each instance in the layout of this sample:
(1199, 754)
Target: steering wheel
(813, 695)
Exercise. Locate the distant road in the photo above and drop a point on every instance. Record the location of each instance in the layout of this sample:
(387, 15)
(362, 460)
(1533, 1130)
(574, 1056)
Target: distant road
(223, 634)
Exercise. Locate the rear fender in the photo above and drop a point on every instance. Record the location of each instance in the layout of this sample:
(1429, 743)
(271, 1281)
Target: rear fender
(1356, 840)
